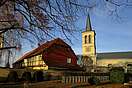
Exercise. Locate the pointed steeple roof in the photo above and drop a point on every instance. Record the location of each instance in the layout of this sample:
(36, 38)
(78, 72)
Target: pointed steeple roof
(88, 24)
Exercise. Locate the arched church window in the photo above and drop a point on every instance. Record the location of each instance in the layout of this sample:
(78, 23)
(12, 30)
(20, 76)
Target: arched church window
(85, 39)
(89, 39)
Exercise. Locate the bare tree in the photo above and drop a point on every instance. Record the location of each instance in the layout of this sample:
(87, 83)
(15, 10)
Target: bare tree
(38, 20)
(35, 20)
(86, 63)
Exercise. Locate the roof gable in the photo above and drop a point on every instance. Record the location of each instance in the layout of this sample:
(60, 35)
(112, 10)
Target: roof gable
(43, 47)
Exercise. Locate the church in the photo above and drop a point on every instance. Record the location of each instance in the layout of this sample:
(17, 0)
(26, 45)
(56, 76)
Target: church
(100, 59)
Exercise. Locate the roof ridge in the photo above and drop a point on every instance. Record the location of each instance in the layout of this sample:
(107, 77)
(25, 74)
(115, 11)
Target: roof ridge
(41, 48)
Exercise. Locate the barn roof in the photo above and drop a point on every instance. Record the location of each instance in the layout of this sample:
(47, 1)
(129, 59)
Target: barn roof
(114, 55)
(43, 47)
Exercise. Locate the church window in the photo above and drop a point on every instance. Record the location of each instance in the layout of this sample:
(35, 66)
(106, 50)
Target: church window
(85, 39)
(89, 39)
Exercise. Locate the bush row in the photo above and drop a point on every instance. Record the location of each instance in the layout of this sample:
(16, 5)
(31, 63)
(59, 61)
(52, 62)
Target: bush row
(26, 76)
(116, 76)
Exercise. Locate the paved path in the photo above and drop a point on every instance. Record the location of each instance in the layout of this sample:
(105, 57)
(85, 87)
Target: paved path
(58, 84)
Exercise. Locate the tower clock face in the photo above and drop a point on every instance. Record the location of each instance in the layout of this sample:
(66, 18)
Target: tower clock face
(87, 49)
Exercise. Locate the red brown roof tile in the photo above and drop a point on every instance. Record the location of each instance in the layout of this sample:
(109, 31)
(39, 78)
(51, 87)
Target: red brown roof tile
(42, 47)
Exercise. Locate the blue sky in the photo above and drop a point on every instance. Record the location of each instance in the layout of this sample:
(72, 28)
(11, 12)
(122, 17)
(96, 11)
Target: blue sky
(111, 35)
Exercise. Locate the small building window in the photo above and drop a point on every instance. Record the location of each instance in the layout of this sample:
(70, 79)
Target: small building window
(23, 64)
(85, 39)
(68, 60)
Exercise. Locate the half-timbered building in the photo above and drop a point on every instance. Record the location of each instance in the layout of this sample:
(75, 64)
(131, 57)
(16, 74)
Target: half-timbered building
(52, 54)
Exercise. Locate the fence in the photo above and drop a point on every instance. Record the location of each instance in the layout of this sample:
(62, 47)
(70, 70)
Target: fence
(71, 77)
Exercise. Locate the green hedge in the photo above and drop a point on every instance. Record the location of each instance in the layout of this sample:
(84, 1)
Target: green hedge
(38, 76)
(3, 79)
(94, 81)
(12, 76)
(117, 75)
(26, 76)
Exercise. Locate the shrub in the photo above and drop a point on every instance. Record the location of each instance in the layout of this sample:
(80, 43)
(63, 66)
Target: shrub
(12, 76)
(26, 76)
(38, 76)
(128, 77)
(94, 81)
(3, 79)
(46, 77)
(117, 75)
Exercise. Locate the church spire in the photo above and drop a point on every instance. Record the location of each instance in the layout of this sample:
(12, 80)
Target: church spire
(88, 24)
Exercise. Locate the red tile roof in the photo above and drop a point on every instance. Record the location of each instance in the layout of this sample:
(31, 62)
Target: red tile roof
(51, 63)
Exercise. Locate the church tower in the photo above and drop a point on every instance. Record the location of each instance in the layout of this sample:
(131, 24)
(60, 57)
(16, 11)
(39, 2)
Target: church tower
(88, 44)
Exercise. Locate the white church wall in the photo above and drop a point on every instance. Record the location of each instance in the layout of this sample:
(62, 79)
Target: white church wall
(116, 61)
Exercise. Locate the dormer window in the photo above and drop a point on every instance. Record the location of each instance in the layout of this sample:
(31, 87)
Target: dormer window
(68, 60)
